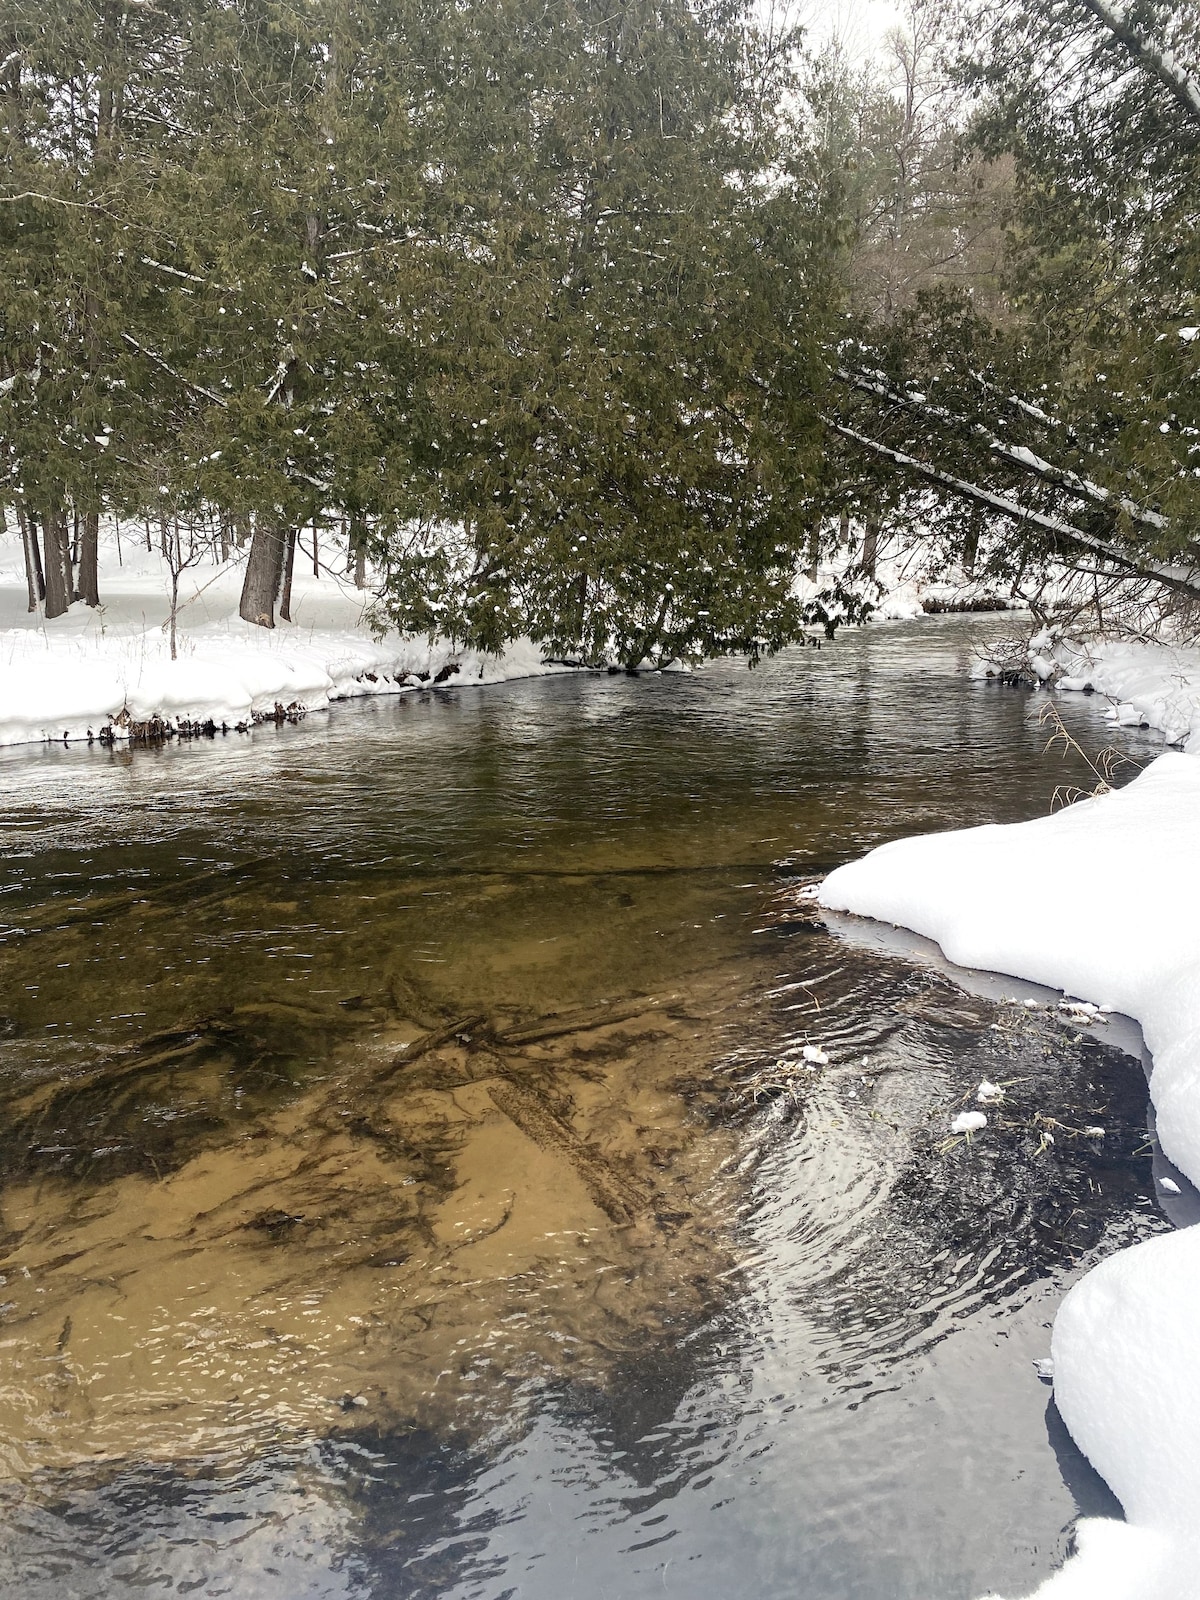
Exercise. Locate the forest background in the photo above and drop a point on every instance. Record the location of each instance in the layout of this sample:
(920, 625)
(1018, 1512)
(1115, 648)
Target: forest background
(597, 322)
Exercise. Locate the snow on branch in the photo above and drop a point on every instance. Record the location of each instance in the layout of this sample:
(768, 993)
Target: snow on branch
(286, 361)
(1161, 63)
(1173, 577)
(1029, 408)
(149, 261)
(1019, 455)
(196, 388)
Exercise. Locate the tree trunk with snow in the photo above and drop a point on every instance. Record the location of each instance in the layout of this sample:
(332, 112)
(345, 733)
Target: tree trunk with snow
(814, 550)
(285, 603)
(264, 568)
(60, 580)
(870, 548)
(89, 559)
(34, 576)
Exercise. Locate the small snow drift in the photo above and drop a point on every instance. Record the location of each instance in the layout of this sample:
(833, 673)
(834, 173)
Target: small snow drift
(1100, 899)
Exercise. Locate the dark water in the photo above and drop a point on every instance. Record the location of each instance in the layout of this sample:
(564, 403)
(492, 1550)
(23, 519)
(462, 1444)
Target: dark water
(413, 1184)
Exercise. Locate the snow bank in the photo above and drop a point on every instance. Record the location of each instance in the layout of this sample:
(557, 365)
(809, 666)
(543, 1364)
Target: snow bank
(1101, 900)
(1150, 685)
(907, 585)
(66, 678)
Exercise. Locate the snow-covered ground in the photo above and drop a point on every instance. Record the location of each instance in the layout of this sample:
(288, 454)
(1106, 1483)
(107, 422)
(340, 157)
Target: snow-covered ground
(73, 675)
(909, 584)
(1101, 900)
(1151, 685)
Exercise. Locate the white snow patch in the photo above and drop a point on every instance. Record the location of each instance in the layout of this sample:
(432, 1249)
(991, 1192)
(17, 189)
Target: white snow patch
(1098, 899)
(968, 1122)
(1149, 685)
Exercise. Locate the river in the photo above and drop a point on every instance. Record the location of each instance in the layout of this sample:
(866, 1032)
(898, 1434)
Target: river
(414, 1185)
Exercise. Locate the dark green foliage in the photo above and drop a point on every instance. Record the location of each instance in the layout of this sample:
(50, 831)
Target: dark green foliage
(1084, 365)
(520, 294)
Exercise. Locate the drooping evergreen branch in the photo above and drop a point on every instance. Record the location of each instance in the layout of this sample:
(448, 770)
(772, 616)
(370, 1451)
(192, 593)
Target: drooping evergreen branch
(1162, 63)
(1180, 579)
(1018, 455)
(187, 383)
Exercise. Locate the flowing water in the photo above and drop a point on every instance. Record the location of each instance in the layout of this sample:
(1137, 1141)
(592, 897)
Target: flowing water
(413, 1182)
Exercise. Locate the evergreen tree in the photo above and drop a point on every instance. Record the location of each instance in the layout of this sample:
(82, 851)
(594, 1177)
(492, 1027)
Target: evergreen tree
(1065, 407)
(622, 421)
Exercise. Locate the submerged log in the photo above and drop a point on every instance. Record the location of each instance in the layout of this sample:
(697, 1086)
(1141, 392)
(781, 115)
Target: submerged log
(585, 1020)
(426, 1042)
(620, 1198)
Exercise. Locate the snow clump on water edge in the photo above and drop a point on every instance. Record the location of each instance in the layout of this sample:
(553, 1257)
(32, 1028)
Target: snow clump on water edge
(1100, 899)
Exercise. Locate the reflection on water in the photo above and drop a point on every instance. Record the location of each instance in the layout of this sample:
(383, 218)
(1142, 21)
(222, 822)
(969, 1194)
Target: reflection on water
(414, 1185)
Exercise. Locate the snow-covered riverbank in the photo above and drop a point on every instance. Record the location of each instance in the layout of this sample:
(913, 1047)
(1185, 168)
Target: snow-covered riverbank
(1147, 685)
(1099, 900)
(1151, 685)
(74, 675)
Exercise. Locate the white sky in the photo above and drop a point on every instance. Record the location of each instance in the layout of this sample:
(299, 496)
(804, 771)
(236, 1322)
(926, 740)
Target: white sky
(860, 24)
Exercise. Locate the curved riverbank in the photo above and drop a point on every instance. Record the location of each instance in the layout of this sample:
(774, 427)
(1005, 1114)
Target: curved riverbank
(1100, 901)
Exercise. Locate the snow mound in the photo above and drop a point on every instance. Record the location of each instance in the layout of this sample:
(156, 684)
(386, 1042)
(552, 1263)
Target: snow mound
(1100, 899)
(1154, 686)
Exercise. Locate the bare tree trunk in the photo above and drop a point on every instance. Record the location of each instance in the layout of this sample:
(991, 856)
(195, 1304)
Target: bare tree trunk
(60, 583)
(844, 528)
(176, 559)
(224, 525)
(285, 603)
(316, 561)
(264, 567)
(89, 559)
(870, 549)
(814, 549)
(360, 565)
(34, 577)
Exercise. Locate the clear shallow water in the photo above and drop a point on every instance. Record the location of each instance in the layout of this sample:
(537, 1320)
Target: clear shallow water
(411, 1188)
